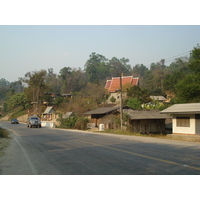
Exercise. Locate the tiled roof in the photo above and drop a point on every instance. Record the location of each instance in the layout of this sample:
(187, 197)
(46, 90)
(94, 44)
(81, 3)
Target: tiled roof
(114, 84)
(183, 108)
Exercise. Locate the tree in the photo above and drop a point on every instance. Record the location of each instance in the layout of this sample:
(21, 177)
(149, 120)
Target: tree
(94, 92)
(174, 74)
(139, 70)
(17, 86)
(179, 64)
(171, 80)
(136, 92)
(16, 100)
(148, 81)
(96, 68)
(66, 77)
(78, 81)
(134, 103)
(53, 82)
(153, 79)
(35, 86)
(188, 89)
(72, 80)
(4, 89)
(117, 66)
(4, 82)
(194, 62)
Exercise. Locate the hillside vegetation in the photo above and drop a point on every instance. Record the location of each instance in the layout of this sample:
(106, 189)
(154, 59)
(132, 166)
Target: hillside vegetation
(80, 90)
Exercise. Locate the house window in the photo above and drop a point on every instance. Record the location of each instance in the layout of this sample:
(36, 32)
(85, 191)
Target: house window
(197, 116)
(183, 121)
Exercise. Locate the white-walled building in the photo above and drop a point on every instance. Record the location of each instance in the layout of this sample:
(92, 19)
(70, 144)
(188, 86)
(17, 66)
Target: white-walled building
(185, 118)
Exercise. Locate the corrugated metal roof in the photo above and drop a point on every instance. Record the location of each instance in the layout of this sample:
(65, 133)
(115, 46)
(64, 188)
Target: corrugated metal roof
(67, 115)
(183, 108)
(145, 114)
(102, 110)
(159, 98)
(48, 110)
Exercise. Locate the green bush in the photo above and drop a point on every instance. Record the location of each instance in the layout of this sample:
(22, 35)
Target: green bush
(134, 103)
(81, 123)
(69, 122)
(112, 99)
(74, 122)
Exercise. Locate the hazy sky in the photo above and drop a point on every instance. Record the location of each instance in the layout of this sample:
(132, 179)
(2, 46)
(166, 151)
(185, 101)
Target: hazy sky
(28, 48)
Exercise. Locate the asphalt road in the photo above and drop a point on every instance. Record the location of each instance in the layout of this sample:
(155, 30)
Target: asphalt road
(50, 151)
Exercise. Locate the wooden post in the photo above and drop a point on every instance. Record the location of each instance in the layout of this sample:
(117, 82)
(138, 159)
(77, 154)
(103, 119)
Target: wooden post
(121, 103)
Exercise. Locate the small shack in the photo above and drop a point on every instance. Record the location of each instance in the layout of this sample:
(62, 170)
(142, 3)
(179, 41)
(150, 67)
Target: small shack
(146, 121)
(185, 118)
(104, 116)
(160, 99)
(48, 114)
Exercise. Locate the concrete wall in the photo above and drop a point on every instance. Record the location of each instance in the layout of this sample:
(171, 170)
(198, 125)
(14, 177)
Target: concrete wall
(116, 95)
(184, 130)
(48, 124)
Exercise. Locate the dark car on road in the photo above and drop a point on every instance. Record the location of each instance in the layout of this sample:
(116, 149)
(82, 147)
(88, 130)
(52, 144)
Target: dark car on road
(33, 122)
(14, 121)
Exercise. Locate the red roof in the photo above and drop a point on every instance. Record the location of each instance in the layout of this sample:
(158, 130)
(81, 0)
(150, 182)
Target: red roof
(114, 84)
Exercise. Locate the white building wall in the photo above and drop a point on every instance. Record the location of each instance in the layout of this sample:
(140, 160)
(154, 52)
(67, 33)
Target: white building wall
(116, 95)
(184, 130)
(48, 124)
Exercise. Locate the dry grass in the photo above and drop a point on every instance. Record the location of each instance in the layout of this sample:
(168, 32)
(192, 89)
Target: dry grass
(189, 138)
(4, 140)
(3, 133)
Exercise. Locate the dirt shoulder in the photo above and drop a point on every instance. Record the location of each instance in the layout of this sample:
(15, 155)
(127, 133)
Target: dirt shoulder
(4, 142)
(188, 138)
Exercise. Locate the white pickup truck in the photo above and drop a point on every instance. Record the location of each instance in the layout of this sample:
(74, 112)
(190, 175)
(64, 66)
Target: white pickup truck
(33, 121)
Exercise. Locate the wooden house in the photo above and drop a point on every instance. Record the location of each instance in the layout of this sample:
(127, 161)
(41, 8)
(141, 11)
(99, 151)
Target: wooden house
(146, 121)
(140, 121)
(104, 116)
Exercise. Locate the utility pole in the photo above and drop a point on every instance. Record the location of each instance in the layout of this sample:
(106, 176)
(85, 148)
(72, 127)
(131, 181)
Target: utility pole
(121, 103)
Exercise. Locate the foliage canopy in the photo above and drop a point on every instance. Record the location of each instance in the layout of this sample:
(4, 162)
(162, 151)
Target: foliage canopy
(180, 81)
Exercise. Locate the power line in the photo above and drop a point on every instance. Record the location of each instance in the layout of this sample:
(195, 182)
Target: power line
(177, 56)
